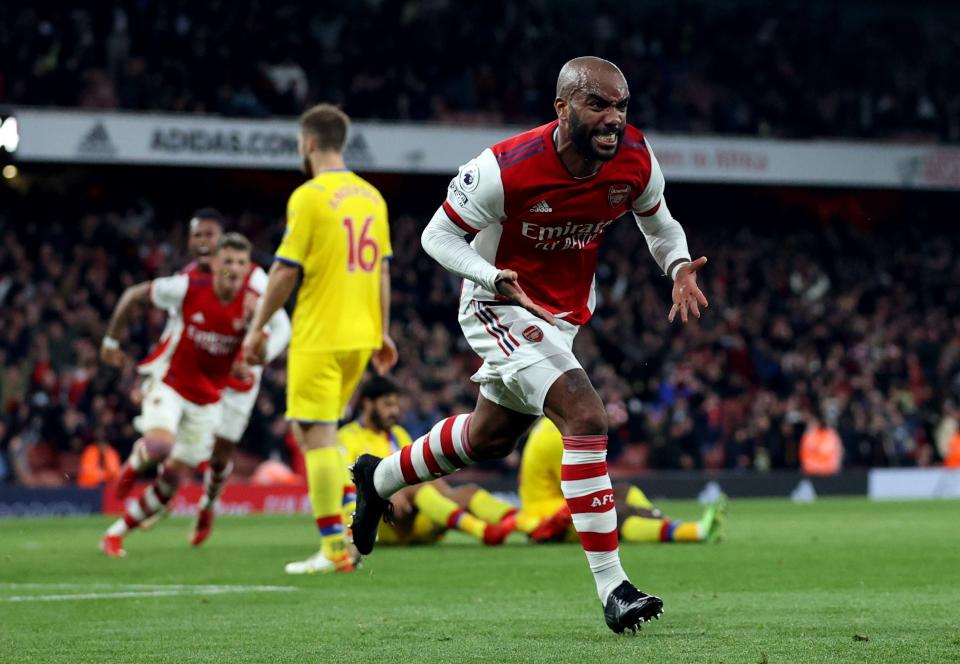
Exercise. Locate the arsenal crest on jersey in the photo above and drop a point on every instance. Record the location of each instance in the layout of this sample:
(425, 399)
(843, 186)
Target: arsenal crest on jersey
(533, 333)
(617, 194)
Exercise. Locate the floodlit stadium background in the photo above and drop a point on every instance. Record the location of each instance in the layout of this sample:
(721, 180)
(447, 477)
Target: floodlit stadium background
(809, 151)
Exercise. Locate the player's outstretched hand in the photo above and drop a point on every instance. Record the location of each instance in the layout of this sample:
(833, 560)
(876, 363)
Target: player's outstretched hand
(385, 357)
(113, 357)
(254, 347)
(508, 285)
(687, 296)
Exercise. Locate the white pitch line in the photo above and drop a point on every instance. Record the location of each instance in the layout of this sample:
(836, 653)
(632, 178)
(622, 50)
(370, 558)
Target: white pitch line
(159, 591)
(124, 586)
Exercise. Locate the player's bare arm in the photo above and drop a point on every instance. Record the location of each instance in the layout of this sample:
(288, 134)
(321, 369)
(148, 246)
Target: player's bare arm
(110, 352)
(281, 281)
(385, 357)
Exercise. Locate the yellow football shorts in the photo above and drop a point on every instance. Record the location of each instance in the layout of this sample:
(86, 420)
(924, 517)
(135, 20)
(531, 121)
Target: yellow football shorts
(319, 385)
(541, 509)
(421, 531)
(547, 507)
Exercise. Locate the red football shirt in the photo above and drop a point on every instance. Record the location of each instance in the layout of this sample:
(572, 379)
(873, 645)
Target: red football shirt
(210, 333)
(158, 360)
(531, 216)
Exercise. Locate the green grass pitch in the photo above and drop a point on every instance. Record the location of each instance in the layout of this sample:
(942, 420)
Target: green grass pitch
(840, 580)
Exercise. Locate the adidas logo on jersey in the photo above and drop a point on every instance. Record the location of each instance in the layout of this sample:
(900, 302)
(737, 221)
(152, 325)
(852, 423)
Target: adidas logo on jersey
(198, 318)
(542, 206)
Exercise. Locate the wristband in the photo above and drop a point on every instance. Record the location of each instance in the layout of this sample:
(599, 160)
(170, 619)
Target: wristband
(676, 267)
(110, 343)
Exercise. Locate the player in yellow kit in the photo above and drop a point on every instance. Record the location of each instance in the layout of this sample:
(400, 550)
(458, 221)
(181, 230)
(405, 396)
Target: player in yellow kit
(422, 513)
(638, 519)
(337, 239)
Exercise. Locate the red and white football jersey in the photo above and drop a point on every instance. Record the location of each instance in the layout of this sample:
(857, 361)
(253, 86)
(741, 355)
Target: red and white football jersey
(205, 334)
(531, 216)
(158, 359)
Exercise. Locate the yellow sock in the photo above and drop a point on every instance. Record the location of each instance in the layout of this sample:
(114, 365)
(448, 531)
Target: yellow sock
(641, 529)
(486, 506)
(526, 522)
(637, 498)
(325, 484)
(687, 532)
(446, 513)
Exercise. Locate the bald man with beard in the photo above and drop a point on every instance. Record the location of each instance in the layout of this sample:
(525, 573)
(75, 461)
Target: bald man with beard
(537, 207)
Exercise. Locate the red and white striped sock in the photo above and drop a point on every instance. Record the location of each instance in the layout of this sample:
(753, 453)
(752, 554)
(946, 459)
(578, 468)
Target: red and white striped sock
(213, 485)
(154, 498)
(443, 450)
(586, 486)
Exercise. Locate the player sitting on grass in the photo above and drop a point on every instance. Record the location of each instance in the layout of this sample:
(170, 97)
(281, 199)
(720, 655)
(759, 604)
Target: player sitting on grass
(637, 518)
(181, 412)
(424, 513)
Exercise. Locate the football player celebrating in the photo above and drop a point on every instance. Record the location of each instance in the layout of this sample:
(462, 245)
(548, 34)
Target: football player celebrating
(239, 396)
(537, 206)
(181, 411)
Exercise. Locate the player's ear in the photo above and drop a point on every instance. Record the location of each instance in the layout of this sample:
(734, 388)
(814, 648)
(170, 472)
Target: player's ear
(560, 105)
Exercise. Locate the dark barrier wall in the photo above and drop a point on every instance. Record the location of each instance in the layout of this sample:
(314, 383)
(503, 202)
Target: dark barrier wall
(18, 501)
(245, 499)
(680, 485)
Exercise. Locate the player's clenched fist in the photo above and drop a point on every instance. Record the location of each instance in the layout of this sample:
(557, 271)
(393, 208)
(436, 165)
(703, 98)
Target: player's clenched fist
(110, 353)
(254, 347)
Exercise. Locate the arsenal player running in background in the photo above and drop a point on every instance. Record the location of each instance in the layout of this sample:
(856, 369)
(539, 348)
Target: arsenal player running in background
(539, 204)
(239, 396)
(181, 412)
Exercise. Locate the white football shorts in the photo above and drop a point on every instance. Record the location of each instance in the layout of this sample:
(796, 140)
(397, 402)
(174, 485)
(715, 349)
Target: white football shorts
(192, 424)
(236, 409)
(522, 355)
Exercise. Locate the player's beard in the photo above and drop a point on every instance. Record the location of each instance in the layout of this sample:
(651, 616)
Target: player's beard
(582, 138)
(307, 168)
(381, 422)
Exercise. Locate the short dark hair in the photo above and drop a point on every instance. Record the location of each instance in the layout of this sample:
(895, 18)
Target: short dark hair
(234, 241)
(208, 213)
(377, 387)
(328, 124)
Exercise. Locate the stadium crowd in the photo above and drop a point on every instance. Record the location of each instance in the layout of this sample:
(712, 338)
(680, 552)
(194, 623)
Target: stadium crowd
(816, 316)
(855, 69)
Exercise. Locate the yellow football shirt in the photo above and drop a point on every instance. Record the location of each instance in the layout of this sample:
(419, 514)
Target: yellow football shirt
(355, 440)
(540, 464)
(337, 232)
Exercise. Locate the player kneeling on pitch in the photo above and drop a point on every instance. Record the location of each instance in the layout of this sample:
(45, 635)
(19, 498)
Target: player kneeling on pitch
(180, 413)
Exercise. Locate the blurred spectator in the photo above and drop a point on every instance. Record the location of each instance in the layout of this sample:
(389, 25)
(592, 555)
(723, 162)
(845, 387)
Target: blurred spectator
(99, 464)
(806, 313)
(855, 69)
(272, 472)
(821, 452)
